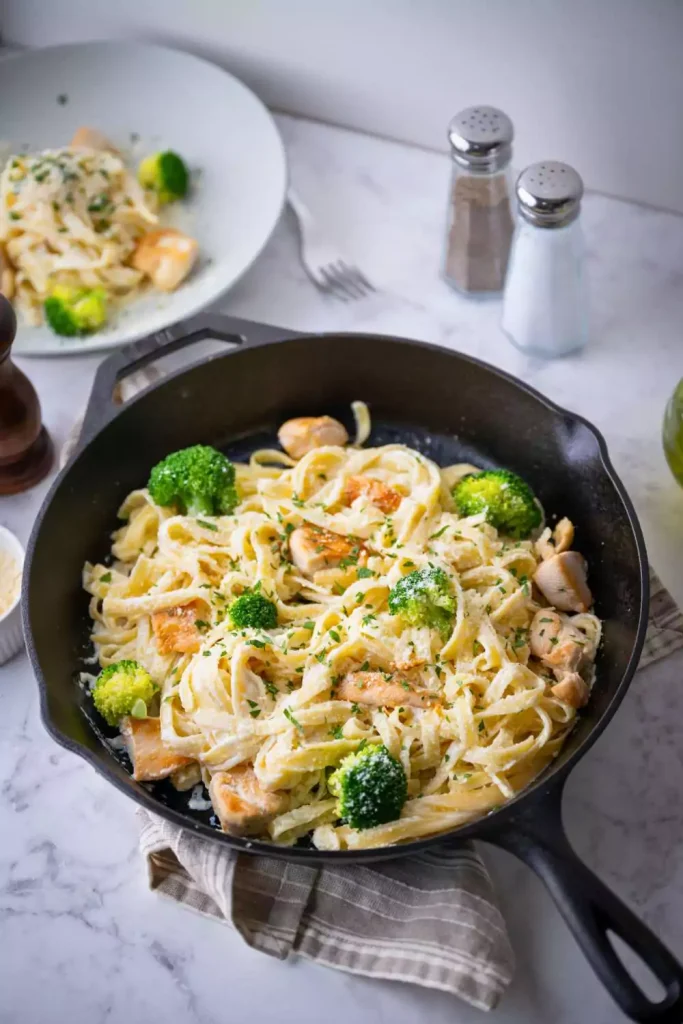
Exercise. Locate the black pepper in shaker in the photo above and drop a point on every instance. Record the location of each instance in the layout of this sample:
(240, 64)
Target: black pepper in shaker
(25, 447)
(480, 221)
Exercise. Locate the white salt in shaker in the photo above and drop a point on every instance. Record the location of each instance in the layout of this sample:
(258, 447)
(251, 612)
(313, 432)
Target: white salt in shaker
(545, 306)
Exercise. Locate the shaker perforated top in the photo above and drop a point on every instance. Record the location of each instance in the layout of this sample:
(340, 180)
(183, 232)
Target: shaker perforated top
(481, 138)
(549, 194)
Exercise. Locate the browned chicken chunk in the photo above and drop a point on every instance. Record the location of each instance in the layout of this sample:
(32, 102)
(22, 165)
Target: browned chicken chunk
(313, 549)
(151, 759)
(175, 629)
(572, 689)
(242, 806)
(375, 690)
(300, 436)
(562, 581)
(377, 493)
(557, 541)
(559, 644)
(91, 138)
(166, 256)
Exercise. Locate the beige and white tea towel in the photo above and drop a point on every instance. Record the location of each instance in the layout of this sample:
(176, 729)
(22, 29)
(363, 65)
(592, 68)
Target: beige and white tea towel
(430, 919)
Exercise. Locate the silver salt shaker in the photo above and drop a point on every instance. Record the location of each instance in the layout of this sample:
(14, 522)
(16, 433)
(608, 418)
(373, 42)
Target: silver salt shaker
(480, 223)
(545, 306)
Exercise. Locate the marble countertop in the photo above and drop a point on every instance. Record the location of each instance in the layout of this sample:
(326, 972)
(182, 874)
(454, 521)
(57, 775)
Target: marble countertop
(82, 939)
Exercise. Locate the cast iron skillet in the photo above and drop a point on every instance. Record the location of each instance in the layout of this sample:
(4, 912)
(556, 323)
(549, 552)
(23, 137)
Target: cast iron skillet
(450, 407)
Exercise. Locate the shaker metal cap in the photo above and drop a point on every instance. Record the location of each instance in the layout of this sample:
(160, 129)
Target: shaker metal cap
(481, 138)
(549, 194)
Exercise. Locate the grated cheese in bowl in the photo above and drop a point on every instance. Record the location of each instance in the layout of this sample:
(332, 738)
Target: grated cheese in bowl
(11, 568)
(10, 580)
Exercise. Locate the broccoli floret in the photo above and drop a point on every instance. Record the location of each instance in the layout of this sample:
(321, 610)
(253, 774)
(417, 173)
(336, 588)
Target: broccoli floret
(253, 610)
(74, 311)
(370, 786)
(424, 598)
(508, 502)
(196, 481)
(166, 174)
(124, 688)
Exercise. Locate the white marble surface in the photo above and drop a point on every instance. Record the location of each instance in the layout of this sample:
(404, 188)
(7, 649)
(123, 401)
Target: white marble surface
(81, 938)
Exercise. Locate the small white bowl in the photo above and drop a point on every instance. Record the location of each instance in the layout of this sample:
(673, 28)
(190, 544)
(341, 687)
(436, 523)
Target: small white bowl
(11, 637)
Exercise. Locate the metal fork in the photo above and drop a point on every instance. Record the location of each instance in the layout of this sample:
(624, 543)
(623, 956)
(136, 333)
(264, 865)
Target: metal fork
(323, 263)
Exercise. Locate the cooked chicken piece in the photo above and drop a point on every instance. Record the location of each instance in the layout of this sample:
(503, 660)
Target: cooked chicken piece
(562, 581)
(166, 256)
(558, 644)
(572, 689)
(384, 497)
(186, 777)
(300, 436)
(90, 138)
(175, 629)
(561, 539)
(6, 275)
(373, 689)
(151, 759)
(313, 549)
(242, 806)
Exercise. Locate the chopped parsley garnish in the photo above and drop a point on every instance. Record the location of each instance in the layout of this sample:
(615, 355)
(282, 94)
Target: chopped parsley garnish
(335, 636)
(367, 619)
(290, 718)
(364, 573)
(438, 533)
(271, 688)
(201, 624)
(308, 625)
(355, 708)
(105, 578)
(207, 526)
(99, 203)
(257, 643)
(336, 732)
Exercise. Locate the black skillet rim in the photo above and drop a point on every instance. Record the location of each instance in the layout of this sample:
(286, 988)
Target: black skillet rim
(478, 828)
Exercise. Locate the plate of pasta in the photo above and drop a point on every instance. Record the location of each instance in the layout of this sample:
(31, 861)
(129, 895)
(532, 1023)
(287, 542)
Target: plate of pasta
(339, 644)
(120, 211)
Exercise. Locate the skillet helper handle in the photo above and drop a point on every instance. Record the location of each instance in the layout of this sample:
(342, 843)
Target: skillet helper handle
(592, 910)
(102, 405)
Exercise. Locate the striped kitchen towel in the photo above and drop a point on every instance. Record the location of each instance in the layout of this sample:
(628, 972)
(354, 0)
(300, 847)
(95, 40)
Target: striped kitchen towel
(429, 919)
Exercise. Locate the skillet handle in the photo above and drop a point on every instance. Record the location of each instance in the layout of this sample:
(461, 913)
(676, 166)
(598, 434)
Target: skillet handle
(102, 406)
(591, 910)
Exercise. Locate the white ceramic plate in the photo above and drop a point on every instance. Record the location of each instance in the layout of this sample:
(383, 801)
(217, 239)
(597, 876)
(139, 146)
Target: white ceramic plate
(146, 98)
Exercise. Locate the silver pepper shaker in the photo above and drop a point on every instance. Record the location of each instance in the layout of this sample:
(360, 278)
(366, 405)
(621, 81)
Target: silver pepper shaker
(545, 307)
(480, 223)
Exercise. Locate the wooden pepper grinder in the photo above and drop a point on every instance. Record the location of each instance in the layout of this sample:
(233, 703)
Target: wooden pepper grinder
(25, 448)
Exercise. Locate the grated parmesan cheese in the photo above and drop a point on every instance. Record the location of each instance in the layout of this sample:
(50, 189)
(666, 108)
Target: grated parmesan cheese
(10, 580)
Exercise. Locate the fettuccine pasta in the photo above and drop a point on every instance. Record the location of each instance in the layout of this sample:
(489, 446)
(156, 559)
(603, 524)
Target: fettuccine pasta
(487, 721)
